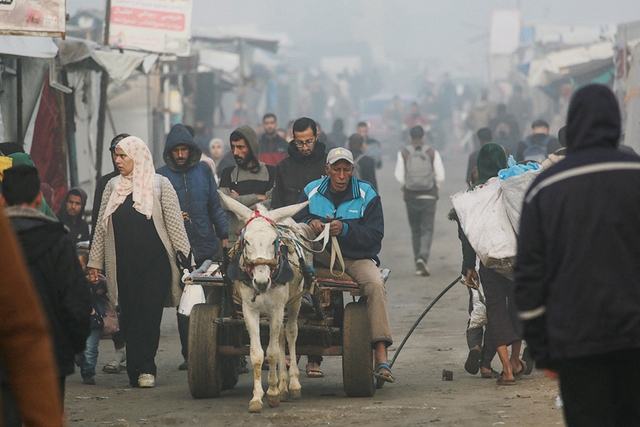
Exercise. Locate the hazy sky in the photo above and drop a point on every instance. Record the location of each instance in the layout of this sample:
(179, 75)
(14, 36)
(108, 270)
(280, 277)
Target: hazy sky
(400, 29)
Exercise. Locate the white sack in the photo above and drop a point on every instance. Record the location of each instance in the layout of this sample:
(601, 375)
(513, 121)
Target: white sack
(513, 191)
(484, 220)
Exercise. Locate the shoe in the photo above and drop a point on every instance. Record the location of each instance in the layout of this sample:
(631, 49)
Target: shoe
(492, 374)
(313, 370)
(88, 378)
(115, 366)
(146, 381)
(306, 305)
(421, 268)
(472, 365)
(184, 366)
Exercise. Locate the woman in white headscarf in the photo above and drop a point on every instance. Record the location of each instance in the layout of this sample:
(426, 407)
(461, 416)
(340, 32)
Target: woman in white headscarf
(139, 232)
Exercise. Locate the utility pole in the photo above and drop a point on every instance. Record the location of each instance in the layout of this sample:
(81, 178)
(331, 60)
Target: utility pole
(102, 109)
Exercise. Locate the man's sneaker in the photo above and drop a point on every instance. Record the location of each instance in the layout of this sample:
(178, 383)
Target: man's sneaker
(88, 378)
(184, 366)
(421, 268)
(146, 381)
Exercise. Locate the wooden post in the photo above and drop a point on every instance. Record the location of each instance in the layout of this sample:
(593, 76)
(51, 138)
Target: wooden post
(102, 109)
(19, 119)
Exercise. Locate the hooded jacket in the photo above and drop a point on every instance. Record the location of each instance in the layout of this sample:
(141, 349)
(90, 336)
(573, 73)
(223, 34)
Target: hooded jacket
(198, 195)
(78, 230)
(248, 183)
(59, 280)
(577, 272)
(295, 172)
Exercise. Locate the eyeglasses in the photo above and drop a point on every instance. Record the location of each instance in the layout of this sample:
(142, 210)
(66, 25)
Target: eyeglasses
(308, 143)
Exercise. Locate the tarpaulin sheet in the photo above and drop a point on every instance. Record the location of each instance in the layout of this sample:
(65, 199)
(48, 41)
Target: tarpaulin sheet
(47, 148)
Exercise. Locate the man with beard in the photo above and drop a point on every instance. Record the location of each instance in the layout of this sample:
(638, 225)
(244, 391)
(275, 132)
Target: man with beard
(70, 214)
(305, 164)
(272, 147)
(250, 181)
(203, 216)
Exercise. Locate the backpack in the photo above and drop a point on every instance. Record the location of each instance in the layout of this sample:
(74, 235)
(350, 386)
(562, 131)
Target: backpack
(418, 170)
(535, 152)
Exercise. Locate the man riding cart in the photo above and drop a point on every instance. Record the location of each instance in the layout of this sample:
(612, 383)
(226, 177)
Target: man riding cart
(354, 211)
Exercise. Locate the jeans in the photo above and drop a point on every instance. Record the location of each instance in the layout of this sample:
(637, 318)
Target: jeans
(421, 213)
(88, 359)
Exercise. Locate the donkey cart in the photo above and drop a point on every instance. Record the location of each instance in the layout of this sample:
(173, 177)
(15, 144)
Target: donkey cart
(217, 335)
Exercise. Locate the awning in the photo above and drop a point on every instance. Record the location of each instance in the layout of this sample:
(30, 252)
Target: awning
(118, 64)
(567, 63)
(30, 47)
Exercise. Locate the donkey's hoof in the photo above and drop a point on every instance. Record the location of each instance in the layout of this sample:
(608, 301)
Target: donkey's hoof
(255, 407)
(284, 396)
(274, 401)
(295, 394)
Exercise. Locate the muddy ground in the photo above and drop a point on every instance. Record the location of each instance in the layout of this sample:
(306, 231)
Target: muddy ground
(419, 397)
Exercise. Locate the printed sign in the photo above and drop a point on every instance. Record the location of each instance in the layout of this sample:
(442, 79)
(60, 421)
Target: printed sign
(162, 26)
(44, 18)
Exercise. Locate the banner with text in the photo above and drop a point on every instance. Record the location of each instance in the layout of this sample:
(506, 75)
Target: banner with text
(45, 18)
(162, 26)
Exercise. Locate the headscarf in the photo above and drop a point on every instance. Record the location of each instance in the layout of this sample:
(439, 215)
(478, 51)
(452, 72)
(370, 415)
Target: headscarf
(593, 119)
(491, 159)
(139, 182)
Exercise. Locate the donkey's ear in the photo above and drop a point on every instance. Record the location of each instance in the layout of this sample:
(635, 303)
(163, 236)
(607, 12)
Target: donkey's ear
(229, 203)
(277, 215)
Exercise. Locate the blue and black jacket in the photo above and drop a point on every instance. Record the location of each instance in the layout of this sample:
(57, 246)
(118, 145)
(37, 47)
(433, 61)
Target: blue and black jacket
(360, 212)
(198, 195)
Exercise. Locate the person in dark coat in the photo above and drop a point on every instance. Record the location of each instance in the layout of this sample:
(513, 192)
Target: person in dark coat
(204, 219)
(71, 215)
(272, 147)
(539, 140)
(364, 165)
(305, 163)
(114, 365)
(54, 266)
(577, 272)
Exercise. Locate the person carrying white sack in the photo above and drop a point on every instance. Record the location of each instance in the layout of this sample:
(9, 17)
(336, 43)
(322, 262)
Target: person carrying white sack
(503, 326)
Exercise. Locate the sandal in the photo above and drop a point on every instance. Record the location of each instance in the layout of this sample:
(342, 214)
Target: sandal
(472, 365)
(386, 378)
(528, 360)
(502, 381)
(492, 374)
(523, 369)
(313, 370)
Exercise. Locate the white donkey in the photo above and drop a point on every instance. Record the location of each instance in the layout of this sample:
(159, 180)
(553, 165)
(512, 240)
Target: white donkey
(261, 244)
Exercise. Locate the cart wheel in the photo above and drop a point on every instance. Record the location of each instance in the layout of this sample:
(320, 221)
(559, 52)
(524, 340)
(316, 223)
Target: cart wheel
(230, 371)
(205, 379)
(357, 355)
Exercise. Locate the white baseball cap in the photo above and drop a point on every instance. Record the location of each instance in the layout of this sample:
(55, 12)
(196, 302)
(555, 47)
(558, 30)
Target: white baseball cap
(339, 154)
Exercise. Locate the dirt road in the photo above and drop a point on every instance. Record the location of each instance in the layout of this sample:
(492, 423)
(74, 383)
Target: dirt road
(419, 397)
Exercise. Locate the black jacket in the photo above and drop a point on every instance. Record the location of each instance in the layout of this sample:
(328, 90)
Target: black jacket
(59, 279)
(78, 227)
(578, 265)
(295, 172)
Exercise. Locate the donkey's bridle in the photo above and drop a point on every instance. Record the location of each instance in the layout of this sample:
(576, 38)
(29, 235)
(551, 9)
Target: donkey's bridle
(250, 264)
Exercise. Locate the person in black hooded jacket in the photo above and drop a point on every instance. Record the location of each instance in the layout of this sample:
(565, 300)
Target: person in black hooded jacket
(578, 270)
(305, 163)
(51, 257)
(71, 212)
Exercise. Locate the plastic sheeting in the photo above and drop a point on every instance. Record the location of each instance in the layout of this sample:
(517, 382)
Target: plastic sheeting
(30, 47)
